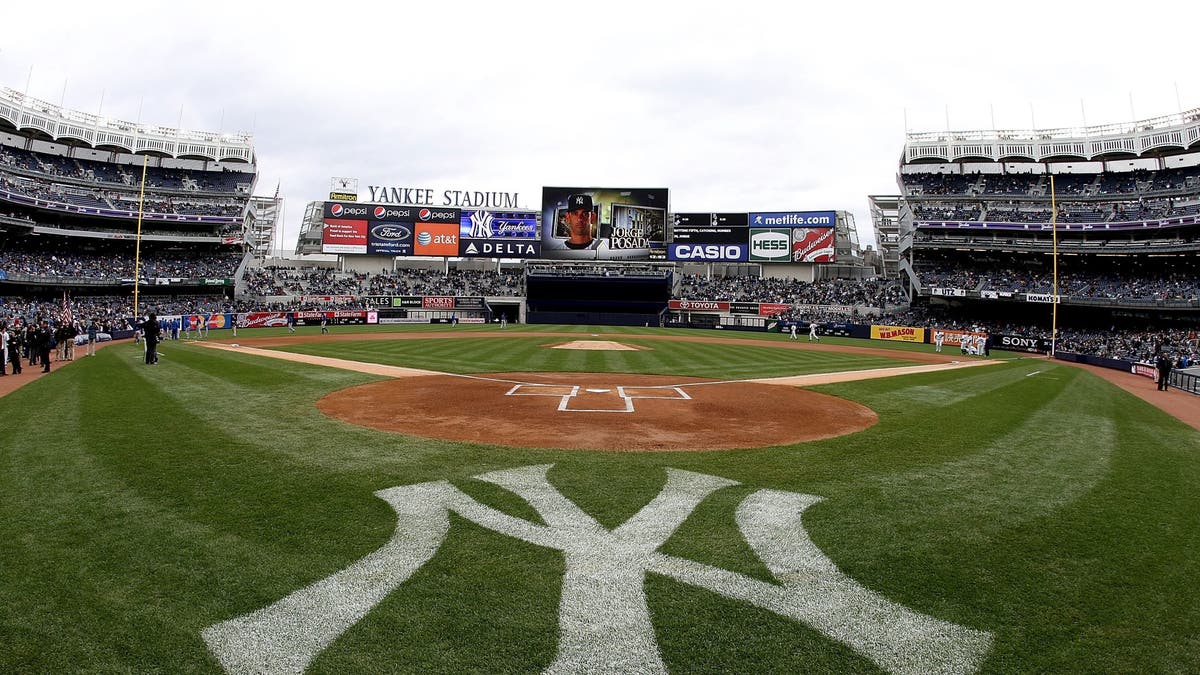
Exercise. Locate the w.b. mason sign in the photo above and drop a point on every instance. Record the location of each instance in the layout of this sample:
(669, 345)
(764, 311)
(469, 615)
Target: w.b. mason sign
(604, 622)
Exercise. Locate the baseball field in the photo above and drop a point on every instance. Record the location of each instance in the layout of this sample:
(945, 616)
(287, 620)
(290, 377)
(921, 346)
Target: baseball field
(591, 499)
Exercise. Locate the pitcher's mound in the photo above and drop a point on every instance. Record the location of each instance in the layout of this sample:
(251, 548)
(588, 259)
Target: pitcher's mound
(597, 411)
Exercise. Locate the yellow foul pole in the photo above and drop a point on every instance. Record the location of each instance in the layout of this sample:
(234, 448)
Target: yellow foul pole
(137, 256)
(1054, 291)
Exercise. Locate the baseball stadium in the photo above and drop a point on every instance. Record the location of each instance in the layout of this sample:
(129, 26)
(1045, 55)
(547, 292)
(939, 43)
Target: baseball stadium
(610, 435)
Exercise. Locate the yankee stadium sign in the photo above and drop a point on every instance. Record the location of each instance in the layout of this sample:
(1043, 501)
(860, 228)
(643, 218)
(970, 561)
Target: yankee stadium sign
(429, 197)
(604, 619)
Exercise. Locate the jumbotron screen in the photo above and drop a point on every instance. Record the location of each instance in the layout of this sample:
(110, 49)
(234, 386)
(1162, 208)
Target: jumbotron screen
(590, 223)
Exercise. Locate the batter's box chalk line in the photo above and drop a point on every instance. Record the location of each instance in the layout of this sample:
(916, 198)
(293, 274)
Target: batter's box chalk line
(570, 396)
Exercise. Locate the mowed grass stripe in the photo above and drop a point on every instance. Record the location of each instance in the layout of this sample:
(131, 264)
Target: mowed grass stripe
(1053, 510)
(536, 354)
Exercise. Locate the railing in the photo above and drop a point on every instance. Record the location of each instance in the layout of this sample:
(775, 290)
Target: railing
(1185, 382)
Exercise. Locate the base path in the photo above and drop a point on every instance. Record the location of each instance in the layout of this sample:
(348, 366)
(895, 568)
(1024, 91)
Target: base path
(598, 411)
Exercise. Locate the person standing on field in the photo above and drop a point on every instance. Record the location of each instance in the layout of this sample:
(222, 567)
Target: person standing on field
(812, 332)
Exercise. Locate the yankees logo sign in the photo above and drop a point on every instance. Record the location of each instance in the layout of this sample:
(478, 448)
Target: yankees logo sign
(604, 620)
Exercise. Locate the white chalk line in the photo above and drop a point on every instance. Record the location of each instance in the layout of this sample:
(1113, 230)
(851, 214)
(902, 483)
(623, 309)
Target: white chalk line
(785, 380)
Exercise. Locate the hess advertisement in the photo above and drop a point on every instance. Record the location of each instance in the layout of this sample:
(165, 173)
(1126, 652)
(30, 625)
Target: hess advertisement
(580, 223)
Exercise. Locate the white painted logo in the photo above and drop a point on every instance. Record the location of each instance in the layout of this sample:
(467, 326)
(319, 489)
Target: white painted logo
(604, 621)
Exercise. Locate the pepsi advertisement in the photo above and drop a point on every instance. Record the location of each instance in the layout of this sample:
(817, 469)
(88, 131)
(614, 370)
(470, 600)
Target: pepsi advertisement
(385, 229)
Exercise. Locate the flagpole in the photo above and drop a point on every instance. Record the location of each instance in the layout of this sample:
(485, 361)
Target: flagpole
(1054, 290)
(137, 256)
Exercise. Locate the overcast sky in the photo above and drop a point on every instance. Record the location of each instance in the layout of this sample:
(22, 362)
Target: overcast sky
(734, 106)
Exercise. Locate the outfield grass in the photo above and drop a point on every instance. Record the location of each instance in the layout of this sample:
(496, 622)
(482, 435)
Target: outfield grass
(1030, 500)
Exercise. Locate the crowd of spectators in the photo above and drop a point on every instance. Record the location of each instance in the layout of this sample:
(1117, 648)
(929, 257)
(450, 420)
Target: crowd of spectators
(110, 265)
(864, 292)
(1134, 280)
(274, 281)
(123, 175)
(129, 202)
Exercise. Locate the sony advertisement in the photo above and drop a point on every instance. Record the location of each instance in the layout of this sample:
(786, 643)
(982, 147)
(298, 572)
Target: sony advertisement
(580, 223)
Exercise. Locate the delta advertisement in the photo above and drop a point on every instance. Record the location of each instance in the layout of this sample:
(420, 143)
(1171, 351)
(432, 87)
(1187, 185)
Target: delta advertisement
(499, 234)
(591, 223)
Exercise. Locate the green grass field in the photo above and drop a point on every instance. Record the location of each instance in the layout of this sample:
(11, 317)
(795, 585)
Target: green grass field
(1030, 502)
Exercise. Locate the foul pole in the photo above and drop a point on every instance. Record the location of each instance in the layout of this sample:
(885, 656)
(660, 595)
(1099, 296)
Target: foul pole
(1054, 282)
(137, 255)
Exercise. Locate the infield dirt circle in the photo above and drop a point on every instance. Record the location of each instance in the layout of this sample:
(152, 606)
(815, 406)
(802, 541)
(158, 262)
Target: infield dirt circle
(597, 411)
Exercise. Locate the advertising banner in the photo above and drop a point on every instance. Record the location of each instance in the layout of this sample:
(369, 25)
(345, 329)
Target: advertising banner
(770, 244)
(482, 224)
(499, 248)
(743, 307)
(468, 303)
(898, 333)
(345, 228)
(1042, 297)
(438, 302)
(1019, 343)
(582, 223)
(436, 239)
(773, 308)
(390, 238)
(698, 305)
(262, 319)
(708, 252)
(813, 245)
(793, 219)
(337, 317)
(212, 321)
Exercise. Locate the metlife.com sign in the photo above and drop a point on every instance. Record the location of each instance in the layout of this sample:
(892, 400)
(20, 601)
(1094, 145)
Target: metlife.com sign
(794, 219)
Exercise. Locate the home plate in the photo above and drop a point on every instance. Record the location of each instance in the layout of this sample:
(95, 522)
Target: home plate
(599, 391)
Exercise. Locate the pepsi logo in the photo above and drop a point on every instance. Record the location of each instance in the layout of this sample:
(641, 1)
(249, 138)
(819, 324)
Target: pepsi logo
(380, 212)
(424, 238)
(425, 214)
(336, 210)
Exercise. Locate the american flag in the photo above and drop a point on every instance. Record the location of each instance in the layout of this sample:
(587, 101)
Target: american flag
(67, 316)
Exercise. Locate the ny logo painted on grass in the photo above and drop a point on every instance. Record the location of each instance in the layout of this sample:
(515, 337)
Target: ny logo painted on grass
(604, 621)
